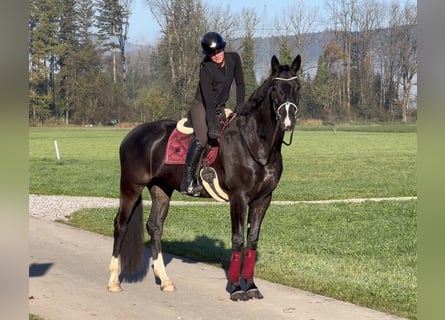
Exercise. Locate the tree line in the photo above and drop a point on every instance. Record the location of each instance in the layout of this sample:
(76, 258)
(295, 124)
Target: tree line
(81, 71)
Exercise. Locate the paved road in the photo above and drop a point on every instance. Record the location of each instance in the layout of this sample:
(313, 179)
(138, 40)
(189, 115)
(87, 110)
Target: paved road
(68, 276)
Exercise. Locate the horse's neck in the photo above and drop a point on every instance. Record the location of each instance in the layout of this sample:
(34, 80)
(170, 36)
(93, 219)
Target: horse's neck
(264, 122)
(261, 133)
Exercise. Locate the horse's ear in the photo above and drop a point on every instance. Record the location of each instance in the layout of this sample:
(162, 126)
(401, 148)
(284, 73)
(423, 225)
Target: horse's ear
(275, 64)
(296, 64)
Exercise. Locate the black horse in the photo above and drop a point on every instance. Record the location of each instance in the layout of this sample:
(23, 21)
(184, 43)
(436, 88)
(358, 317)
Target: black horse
(248, 165)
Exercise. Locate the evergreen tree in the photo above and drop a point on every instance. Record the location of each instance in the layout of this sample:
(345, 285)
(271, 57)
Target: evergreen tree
(250, 22)
(68, 41)
(112, 24)
(81, 68)
(285, 51)
(44, 50)
(248, 61)
(84, 21)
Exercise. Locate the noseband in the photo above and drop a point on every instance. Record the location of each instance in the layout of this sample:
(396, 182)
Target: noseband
(286, 105)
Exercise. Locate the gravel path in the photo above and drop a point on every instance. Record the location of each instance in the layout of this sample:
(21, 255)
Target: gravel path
(61, 207)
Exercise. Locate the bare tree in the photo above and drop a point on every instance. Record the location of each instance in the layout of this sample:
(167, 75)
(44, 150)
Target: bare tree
(283, 32)
(222, 20)
(182, 25)
(407, 48)
(399, 58)
(343, 14)
(303, 21)
(367, 23)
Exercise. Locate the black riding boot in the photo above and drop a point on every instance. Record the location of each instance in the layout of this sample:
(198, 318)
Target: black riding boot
(193, 156)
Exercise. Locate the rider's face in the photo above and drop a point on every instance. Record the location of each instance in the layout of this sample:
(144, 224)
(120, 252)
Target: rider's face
(218, 58)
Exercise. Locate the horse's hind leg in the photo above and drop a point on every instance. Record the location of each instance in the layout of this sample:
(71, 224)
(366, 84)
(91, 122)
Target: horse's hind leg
(128, 204)
(155, 225)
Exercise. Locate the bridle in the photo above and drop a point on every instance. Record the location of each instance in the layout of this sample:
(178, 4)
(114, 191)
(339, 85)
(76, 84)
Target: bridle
(287, 105)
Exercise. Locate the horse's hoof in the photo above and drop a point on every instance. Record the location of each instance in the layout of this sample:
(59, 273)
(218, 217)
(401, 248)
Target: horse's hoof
(238, 294)
(114, 287)
(252, 290)
(168, 286)
(254, 293)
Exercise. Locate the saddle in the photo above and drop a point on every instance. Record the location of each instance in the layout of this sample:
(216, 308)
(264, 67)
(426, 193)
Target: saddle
(176, 153)
(178, 143)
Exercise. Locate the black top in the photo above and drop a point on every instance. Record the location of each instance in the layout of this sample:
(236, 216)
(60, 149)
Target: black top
(214, 83)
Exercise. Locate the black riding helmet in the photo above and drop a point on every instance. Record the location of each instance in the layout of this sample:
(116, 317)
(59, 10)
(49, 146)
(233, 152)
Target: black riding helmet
(212, 43)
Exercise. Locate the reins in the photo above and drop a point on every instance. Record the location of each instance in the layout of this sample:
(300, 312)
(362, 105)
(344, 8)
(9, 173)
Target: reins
(290, 139)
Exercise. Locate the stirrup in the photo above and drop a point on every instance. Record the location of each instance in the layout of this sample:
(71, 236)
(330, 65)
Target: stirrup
(193, 190)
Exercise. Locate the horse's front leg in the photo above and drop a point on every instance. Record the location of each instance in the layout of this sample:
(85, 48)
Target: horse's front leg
(257, 210)
(155, 226)
(237, 215)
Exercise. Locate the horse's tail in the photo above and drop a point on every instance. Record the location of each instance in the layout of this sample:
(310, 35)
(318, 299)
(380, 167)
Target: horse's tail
(132, 249)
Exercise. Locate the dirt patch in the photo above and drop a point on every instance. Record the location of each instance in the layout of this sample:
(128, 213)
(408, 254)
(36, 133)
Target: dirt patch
(127, 124)
(311, 122)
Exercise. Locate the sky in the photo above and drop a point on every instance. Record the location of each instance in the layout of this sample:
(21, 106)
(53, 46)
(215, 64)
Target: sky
(144, 29)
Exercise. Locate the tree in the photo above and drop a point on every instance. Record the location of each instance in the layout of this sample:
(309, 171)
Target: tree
(407, 48)
(152, 104)
(68, 40)
(325, 88)
(182, 25)
(83, 77)
(222, 20)
(285, 51)
(44, 47)
(343, 15)
(250, 22)
(283, 31)
(363, 59)
(112, 23)
(303, 21)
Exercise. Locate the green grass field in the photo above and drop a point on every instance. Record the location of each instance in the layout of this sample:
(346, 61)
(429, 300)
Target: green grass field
(362, 253)
(318, 165)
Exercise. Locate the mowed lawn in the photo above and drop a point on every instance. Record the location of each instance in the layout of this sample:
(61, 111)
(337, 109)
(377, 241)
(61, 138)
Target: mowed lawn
(362, 253)
(318, 165)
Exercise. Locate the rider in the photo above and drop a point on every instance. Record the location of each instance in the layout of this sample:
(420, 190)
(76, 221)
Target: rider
(217, 72)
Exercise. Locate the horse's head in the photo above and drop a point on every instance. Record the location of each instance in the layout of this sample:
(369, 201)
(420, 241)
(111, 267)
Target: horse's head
(285, 92)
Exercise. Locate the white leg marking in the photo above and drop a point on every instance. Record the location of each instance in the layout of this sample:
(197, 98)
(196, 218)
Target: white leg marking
(159, 271)
(113, 283)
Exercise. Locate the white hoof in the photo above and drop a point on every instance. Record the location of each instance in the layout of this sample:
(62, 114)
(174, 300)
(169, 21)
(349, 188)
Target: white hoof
(168, 286)
(114, 287)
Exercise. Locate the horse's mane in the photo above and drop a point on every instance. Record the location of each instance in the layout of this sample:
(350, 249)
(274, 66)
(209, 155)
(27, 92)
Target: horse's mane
(257, 96)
